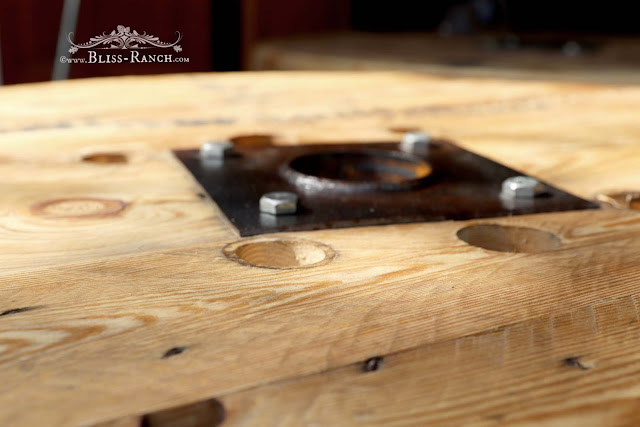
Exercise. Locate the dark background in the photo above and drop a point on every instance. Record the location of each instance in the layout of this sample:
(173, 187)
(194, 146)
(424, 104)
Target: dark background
(219, 34)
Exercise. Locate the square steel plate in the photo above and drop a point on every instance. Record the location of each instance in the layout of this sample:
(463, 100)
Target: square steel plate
(378, 188)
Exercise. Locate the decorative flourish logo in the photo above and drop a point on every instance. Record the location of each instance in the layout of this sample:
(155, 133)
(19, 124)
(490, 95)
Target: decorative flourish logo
(123, 38)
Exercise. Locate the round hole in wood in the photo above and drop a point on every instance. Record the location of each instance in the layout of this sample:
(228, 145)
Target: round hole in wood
(280, 253)
(105, 158)
(619, 199)
(210, 413)
(254, 140)
(503, 238)
(404, 129)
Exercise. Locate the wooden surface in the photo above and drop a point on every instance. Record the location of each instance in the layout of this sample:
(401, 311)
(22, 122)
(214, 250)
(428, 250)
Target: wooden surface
(116, 299)
(612, 60)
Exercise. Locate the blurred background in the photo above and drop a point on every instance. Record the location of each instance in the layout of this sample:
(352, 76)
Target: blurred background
(519, 38)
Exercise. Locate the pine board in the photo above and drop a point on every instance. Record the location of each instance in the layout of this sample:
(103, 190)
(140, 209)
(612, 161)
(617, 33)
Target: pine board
(121, 262)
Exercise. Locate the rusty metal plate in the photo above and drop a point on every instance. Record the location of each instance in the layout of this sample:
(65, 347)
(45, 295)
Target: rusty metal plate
(354, 185)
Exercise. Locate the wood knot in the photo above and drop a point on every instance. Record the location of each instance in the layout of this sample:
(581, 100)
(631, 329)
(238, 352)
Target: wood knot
(79, 207)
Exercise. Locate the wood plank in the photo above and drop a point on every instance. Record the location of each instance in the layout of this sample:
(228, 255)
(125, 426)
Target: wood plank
(573, 368)
(109, 323)
(92, 210)
(127, 305)
(576, 135)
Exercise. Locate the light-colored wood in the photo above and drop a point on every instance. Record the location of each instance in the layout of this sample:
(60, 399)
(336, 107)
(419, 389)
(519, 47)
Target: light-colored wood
(134, 308)
(615, 60)
(577, 367)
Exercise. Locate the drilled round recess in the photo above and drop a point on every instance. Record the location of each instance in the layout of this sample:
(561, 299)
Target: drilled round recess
(404, 129)
(619, 199)
(357, 170)
(105, 158)
(503, 238)
(280, 253)
(252, 140)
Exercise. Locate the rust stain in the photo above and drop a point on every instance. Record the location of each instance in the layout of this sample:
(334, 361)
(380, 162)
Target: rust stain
(79, 207)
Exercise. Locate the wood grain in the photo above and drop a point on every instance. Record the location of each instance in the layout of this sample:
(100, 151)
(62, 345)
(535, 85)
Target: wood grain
(117, 300)
(571, 368)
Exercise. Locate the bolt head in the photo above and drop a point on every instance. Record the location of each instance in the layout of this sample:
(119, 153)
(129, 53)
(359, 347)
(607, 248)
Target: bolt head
(521, 187)
(216, 149)
(279, 203)
(412, 141)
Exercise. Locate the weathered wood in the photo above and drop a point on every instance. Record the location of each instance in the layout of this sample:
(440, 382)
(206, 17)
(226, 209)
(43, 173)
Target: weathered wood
(578, 367)
(118, 301)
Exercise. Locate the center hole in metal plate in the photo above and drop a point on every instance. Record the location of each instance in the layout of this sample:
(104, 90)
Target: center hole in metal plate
(363, 184)
(358, 170)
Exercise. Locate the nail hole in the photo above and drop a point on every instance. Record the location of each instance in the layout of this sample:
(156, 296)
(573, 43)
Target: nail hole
(206, 413)
(174, 351)
(620, 200)
(202, 195)
(503, 238)
(253, 140)
(282, 254)
(18, 310)
(576, 362)
(105, 158)
(372, 364)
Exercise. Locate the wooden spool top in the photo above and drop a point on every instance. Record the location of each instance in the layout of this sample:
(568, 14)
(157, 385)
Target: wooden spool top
(124, 292)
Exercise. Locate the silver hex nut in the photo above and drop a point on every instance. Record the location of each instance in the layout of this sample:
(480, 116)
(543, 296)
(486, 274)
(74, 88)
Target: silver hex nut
(216, 150)
(521, 187)
(416, 140)
(279, 203)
